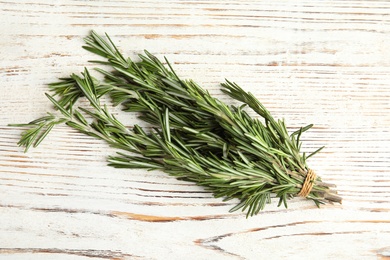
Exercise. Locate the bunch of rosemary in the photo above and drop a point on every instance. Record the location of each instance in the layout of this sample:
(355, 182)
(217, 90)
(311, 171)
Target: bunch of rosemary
(193, 137)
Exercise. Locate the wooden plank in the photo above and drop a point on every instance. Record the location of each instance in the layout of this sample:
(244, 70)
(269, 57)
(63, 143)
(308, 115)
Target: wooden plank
(320, 62)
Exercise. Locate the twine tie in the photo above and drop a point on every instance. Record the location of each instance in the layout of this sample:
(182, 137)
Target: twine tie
(308, 183)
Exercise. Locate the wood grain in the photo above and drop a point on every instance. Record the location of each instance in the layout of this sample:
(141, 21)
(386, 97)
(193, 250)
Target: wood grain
(321, 62)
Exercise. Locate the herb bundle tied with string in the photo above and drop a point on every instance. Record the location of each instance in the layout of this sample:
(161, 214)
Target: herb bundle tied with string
(193, 136)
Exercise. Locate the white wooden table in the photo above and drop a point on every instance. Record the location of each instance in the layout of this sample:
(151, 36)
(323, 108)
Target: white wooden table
(320, 62)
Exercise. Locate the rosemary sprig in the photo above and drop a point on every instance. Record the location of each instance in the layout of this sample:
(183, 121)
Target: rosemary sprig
(194, 136)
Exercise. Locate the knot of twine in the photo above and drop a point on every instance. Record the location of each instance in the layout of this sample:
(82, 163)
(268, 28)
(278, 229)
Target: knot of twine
(308, 183)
